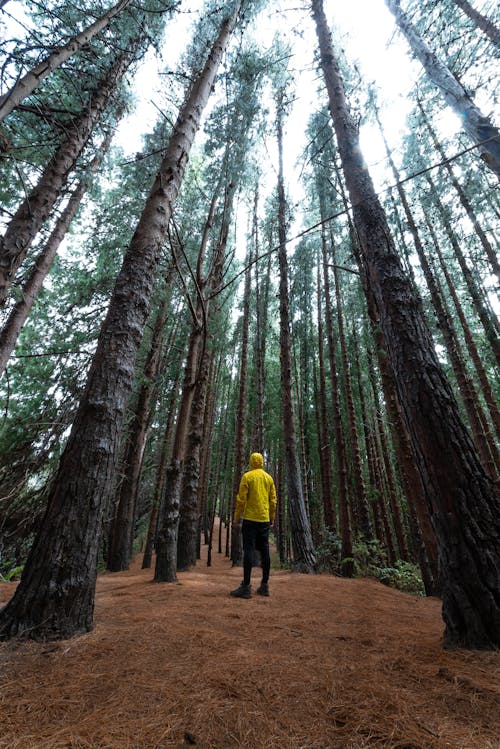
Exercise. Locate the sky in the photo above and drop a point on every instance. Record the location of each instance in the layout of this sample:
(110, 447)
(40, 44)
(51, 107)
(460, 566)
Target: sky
(366, 31)
(366, 44)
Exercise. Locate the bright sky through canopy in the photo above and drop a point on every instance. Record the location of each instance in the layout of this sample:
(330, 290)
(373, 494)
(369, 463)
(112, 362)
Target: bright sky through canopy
(365, 44)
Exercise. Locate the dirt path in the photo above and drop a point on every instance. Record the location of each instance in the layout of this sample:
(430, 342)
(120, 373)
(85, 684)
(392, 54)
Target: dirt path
(324, 663)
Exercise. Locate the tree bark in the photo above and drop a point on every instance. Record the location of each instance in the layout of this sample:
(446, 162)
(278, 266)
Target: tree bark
(489, 251)
(477, 125)
(339, 439)
(30, 81)
(323, 433)
(239, 436)
(188, 499)
(261, 306)
(412, 482)
(189, 515)
(160, 476)
(122, 535)
(488, 319)
(460, 495)
(484, 382)
(397, 516)
(21, 310)
(365, 524)
(36, 208)
(465, 385)
(411, 479)
(55, 597)
(483, 23)
(304, 557)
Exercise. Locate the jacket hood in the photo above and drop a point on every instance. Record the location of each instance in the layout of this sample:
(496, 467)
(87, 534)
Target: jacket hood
(256, 460)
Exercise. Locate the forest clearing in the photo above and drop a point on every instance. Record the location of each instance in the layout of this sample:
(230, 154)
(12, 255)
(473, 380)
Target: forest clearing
(323, 663)
(249, 280)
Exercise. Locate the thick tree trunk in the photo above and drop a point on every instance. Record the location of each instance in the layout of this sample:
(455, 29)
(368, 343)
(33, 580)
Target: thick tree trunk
(36, 208)
(412, 482)
(465, 385)
(411, 479)
(122, 535)
(55, 598)
(304, 557)
(30, 81)
(477, 125)
(483, 23)
(21, 310)
(460, 495)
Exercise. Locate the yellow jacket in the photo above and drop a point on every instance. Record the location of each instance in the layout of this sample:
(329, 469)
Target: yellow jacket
(256, 498)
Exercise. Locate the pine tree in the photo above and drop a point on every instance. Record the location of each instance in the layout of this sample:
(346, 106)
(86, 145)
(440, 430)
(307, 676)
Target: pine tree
(55, 600)
(460, 495)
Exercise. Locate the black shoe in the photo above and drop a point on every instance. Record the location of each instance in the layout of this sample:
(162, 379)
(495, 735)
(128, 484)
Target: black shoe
(244, 591)
(263, 589)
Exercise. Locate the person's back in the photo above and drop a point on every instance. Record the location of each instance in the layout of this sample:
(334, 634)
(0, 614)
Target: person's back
(256, 504)
(257, 493)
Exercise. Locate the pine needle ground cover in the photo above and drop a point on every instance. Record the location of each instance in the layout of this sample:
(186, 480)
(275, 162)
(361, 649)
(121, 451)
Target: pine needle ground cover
(324, 663)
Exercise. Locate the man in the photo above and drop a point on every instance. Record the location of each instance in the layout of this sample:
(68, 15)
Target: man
(256, 503)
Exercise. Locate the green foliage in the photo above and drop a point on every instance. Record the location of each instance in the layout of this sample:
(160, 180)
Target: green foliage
(369, 555)
(403, 576)
(9, 571)
(369, 560)
(328, 553)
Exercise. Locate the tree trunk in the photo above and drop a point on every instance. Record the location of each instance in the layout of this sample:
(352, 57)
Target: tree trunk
(210, 477)
(488, 320)
(365, 524)
(465, 386)
(122, 535)
(239, 437)
(339, 440)
(397, 517)
(477, 125)
(160, 476)
(261, 305)
(36, 208)
(304, 557)
(490, 253)
(21, 310)
(30, 81)
(411, 479)
(188, 504)
(188, 517)
(55, 598)
(460, 495)
(323, 432)
(480, 21)
(484, 382)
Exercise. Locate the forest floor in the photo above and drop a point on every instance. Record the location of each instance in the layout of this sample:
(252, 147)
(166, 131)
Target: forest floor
(324, 663)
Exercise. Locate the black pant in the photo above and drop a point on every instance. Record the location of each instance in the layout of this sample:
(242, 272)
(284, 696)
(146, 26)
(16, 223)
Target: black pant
(255, 536)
